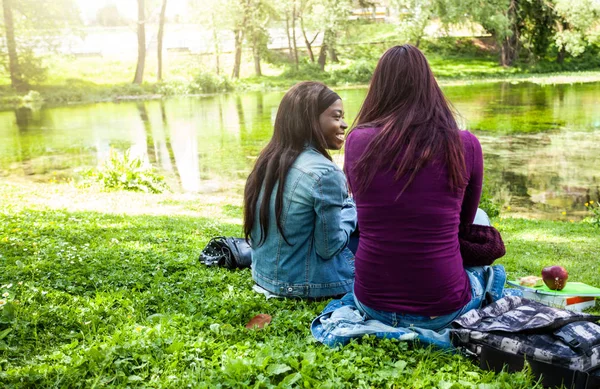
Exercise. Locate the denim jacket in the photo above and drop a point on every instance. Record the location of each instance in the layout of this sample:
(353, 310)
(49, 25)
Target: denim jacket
(317, 219)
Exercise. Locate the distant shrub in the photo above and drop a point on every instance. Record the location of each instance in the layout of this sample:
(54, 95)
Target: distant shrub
(208, 82)
(594, 210)
(370, 52)
(277, 57)
(31, 97)
(489, 205)
(306, 71)
(359, 71)
(128, 90)
(32, 67)
(172, 88)
(589, 60)
(66, 95)
(122, 172)
(489, 201)
(453, 46)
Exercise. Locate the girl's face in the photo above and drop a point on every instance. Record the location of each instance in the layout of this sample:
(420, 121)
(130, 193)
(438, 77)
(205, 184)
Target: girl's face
(333, 125)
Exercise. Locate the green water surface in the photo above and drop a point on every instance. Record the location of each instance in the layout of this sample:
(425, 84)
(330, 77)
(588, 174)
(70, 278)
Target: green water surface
(541, 143)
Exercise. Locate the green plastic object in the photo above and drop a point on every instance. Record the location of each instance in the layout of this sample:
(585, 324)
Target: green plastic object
(571, 289)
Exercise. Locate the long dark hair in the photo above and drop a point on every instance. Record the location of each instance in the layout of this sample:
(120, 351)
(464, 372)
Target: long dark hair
(416, 121)
(296, 125)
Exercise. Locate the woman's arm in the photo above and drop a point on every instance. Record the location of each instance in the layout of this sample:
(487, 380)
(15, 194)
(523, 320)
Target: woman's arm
(336, 214)
(474, 161)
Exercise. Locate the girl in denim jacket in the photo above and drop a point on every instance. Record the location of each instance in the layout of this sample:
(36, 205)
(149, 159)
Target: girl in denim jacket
(298, 216)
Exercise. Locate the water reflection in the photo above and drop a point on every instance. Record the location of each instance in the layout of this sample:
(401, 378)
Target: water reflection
(541, 143)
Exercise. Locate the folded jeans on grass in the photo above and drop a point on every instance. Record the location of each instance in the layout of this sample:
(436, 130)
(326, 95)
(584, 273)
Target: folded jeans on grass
(341, 321)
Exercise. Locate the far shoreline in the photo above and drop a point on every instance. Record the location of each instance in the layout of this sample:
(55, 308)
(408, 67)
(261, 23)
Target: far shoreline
(64, 95)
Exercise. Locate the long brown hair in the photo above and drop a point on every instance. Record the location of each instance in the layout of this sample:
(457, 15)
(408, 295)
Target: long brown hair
(416, 121)
(296, 125)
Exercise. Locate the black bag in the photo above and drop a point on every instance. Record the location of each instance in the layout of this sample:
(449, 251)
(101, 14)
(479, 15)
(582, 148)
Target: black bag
(230, 253)
(561, 346)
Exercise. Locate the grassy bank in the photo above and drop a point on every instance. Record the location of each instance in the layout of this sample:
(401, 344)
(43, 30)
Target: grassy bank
(453, 60)
(78, 91)
(104, 289)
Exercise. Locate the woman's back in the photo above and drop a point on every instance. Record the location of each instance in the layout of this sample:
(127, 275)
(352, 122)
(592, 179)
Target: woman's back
(408, 258)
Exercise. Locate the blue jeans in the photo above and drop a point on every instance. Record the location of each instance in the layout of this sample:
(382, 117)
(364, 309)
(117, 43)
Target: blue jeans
(487, 285)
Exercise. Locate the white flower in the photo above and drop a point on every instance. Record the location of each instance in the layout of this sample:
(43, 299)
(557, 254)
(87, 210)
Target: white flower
(2, 302)
(5, 294)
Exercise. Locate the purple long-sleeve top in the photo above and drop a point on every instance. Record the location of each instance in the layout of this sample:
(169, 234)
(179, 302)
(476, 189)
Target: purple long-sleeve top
(408, 258)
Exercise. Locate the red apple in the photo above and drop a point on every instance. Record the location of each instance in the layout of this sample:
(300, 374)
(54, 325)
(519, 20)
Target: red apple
(555, 277)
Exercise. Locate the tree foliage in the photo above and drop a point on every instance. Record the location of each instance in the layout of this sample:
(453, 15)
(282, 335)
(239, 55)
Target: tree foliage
(109, 16)
(533, 26)
(414, 16)
(525, 31)
(38, 26)
(578, 25)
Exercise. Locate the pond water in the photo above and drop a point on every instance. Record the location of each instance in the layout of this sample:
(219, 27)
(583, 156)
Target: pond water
(541, 143)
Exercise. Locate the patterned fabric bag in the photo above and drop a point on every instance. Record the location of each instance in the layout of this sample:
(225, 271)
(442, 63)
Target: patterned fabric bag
(560, 346)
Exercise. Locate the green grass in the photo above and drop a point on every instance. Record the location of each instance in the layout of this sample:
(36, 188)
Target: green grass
(106, 290)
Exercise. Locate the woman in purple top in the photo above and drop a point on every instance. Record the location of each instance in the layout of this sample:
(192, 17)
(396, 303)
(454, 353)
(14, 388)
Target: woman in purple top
(415, 177)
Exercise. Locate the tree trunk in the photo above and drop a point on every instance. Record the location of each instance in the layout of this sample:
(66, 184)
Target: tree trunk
(16, 78)
(239, 37)
(307, 42)
(238, 31)
(294, 17)
(324, 48)
(328, 40)
(256, 54)
(509, 51)
(511, 44)
(289, 37)
(503, 54)
(141, 28)
(323, 55)
(217, 47)
(161, 32)
(562, 53)
(333, 54)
